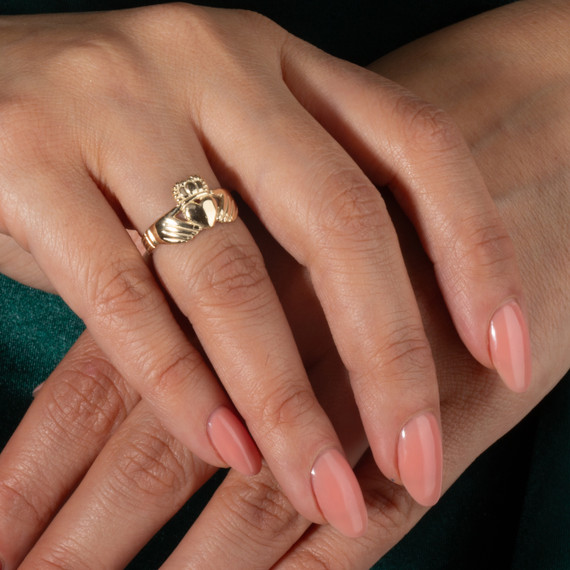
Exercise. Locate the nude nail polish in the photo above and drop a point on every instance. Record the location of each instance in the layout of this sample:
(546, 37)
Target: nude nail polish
(420, 459)
(232, 441)
(338, 493)
(509, 345)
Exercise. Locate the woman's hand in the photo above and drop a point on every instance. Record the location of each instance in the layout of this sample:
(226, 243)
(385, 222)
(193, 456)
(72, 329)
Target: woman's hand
(140, 476)
(101, 114)
(515, 103)
(504, 77)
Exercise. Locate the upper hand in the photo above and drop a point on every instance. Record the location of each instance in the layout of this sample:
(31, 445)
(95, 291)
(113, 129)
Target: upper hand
(103, 113)
(504, 78)
(142, 476)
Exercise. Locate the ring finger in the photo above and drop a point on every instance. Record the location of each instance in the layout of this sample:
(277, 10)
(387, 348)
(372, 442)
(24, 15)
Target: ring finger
(219, 281)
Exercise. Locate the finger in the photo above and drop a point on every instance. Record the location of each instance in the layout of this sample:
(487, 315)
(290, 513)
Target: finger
(391, 512)
(107, 283)
(392, 515)
(74, 414)
(418, 151)
(139, 480)
(346, 239)
(253, 516)
(255, 519)
(220, 283)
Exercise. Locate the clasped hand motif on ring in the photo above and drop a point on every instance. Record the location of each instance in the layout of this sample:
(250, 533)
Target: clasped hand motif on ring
(198, 208)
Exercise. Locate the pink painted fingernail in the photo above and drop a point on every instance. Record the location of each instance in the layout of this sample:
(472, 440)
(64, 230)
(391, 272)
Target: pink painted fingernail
(233, 442)
(509, 345)
(338, 494)
(34, 394)
(420, 459)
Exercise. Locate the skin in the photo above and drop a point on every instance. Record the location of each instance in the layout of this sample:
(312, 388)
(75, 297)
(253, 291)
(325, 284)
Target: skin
(142, 475)
(94, 106)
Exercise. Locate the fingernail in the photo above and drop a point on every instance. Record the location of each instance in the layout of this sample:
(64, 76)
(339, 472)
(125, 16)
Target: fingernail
(420, 459)
(509, 345)
(34, 394)
(338, 493)
(233, 442)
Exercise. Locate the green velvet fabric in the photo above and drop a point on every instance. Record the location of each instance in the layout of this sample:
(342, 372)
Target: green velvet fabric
(511, 508)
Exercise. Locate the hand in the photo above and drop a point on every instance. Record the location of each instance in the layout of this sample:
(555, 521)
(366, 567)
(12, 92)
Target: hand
(504, 78)
(142, 476)
(102, 113)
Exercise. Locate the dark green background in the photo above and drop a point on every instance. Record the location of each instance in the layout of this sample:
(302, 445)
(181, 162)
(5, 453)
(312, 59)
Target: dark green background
(511, 509)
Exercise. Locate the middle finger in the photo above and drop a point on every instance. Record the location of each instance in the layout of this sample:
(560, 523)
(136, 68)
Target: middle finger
(219, 281)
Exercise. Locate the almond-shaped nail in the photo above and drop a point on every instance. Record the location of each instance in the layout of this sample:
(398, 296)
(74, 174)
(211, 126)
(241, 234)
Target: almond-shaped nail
(420, 459)
(509, 345)
(338, 493)
(233, 442)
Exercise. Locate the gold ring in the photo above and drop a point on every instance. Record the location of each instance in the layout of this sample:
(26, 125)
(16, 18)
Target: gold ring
(197, 208)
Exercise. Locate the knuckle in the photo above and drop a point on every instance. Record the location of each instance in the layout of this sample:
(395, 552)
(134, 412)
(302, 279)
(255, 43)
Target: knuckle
(192, 24)
(234, 276)
(484, 248)
(389, 507)
(354, 211)
(86, 402)
(172, 19)
(121, 289)
(175, 19)
(20, 501)
(65, 556)
(81, 408)
(170, 15)
(198, 31)
(404, 354)
(286, 406)
(148, 464)
(102, 60)
(188, 20)
(409, 348)
(266, 29)
(426, 126)
(264, 511)
(172, 378)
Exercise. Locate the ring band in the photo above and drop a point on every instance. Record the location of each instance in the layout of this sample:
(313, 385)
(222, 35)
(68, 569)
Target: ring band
(197, 208)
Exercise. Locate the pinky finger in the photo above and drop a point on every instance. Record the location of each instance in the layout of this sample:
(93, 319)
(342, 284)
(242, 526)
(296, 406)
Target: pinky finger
(418, 151)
